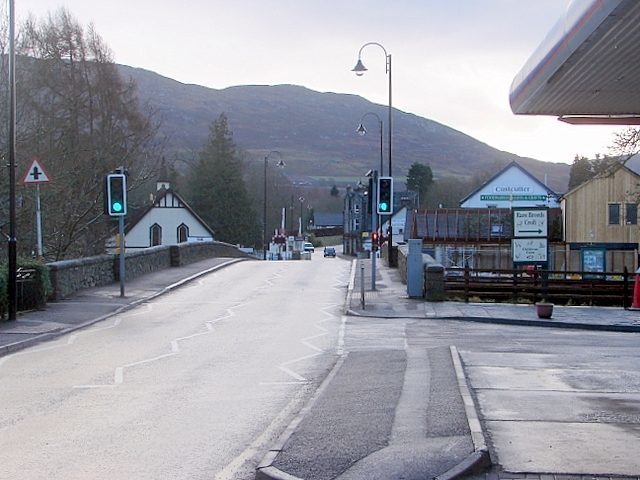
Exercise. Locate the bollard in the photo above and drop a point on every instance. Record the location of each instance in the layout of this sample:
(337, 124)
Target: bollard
(415, 270)
(362, 283)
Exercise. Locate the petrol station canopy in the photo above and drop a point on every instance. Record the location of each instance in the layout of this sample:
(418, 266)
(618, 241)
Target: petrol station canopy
(586, 71)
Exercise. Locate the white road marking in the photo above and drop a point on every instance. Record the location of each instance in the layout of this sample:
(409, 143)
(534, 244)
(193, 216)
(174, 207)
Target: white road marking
(174, 346)
(284, 383)
(259, 444)
(306, 342)
(341, 335)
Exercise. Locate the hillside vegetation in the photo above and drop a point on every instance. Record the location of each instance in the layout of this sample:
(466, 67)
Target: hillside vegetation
(315, 131)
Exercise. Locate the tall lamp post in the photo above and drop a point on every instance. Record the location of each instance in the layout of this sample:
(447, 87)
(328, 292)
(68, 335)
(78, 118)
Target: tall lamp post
(12, 244)
(362, 130)
(264, 211)
(359, 70)
(301, 200)
(376, 220)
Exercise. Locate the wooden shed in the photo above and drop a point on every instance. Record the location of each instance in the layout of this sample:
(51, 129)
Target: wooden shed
(602, 213)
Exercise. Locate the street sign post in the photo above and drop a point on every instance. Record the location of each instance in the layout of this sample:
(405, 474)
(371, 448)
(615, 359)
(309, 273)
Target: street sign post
(529, 250)
(530, 245)
(35, 175)
(528, 223)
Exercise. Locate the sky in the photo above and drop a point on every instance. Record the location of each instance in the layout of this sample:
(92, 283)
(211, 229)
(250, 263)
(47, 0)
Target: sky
(453, 61)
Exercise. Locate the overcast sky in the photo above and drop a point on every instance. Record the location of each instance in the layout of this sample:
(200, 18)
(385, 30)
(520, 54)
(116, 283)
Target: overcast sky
(453, 61)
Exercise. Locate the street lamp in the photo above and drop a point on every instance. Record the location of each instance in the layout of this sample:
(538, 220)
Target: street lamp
(301, 200)
(359, 70)
(264, 211)
(362, 130)
(376, 220)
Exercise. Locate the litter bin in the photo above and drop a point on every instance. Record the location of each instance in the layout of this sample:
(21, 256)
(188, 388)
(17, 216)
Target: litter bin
(26, 289)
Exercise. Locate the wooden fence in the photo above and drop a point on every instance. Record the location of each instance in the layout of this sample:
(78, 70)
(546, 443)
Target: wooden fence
(559, 287)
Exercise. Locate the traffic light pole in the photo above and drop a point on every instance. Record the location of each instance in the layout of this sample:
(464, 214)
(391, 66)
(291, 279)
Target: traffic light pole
(116, 206)
(374, 228)
(121, 273)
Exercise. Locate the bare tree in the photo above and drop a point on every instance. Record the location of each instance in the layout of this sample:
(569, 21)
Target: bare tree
(626, 144)
(82, 120)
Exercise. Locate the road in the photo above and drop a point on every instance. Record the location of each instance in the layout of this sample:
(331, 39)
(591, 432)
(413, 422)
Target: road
(195, 384)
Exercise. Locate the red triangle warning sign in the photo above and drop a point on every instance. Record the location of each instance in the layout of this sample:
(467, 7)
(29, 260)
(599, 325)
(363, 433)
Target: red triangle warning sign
(35, 173)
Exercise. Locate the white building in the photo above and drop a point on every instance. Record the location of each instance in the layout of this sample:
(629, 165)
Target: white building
(511, 187)
(169, 220)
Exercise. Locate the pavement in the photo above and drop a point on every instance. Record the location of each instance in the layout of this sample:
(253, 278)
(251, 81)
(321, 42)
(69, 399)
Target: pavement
(92, 305)
(369, 417)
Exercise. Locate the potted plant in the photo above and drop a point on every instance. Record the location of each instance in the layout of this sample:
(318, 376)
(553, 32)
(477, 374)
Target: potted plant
(544, 309)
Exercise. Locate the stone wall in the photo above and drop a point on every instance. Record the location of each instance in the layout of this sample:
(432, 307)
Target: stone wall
(69, 276)
(186, 253)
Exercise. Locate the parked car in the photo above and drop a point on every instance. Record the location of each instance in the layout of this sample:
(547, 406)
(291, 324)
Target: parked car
(308, 247)
(329, 252)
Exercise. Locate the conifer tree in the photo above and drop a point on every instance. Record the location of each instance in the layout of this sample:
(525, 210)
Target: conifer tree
(419, 179)
(217, 190)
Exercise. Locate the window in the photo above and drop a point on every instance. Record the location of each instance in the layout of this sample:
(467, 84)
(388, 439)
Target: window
(156, 234)
(631, 213)
(183, 233)
(614, 214)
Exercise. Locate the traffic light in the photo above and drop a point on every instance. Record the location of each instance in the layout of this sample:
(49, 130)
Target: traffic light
(370, 196)
(374, 241)
(116, 195)
(385, 195)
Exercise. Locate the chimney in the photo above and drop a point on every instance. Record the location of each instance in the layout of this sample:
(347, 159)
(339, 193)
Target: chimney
(163, 178)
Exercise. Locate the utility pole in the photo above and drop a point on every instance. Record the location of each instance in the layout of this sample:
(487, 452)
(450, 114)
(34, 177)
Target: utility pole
(12, 244)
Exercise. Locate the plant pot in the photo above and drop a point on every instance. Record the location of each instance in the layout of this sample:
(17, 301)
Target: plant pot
(544, 310)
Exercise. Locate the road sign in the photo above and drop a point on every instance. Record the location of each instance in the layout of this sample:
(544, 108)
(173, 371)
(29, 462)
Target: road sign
(529, 250)
(35, 174)
(530, 222)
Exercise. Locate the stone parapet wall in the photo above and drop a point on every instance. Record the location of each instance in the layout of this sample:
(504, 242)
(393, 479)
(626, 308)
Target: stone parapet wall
(69, 276)
(143, 261)
(187, 253)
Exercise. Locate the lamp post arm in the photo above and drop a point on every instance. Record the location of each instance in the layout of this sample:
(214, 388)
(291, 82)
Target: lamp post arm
(383, 49)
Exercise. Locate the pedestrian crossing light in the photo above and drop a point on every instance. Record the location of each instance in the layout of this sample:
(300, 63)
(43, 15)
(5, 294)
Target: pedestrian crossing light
(385, 195)
(116, 195)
